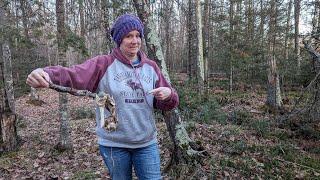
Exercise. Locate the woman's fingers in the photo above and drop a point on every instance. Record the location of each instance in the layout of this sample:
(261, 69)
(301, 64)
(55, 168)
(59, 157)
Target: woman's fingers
(161, 93)
(38, 79)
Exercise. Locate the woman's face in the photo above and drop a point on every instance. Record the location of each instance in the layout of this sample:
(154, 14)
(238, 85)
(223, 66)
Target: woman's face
(131, 44)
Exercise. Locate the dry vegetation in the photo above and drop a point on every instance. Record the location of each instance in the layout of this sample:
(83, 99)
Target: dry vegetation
(244, 142)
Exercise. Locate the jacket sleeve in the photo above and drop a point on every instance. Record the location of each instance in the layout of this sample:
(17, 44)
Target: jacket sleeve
(84, 76)
(172, 101)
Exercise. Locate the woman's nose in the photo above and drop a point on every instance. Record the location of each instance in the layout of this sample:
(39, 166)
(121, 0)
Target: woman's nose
(135, 39)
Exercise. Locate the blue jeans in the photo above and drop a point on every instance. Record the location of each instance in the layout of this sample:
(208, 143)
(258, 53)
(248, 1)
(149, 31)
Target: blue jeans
(146, 162)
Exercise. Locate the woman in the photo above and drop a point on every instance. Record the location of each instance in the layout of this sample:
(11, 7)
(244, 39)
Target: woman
(137, 85)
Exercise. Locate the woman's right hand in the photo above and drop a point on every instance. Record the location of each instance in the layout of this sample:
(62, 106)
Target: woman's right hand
(38, 78)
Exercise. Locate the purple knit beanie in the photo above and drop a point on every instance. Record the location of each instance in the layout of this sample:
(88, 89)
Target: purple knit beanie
(125, 24)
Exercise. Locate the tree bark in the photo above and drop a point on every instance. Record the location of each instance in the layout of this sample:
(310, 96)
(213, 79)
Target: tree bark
(7, 73)
(184, 149)
(296, 32)
(24, 5)
(7, 114)
(274, 100)
(192, 40)
(105, 6)
(231, 43)
(8, 133)
(168, 5)
(34, 96)
(65, 140)
(316, 18)
(199, 52)
(288, 25)
(206, 39)
(195, 55)
(81, 14)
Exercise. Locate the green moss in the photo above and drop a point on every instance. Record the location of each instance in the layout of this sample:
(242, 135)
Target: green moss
(82, 175)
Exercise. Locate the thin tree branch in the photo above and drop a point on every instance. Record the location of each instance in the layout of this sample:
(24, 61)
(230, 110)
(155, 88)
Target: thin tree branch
(72, 91)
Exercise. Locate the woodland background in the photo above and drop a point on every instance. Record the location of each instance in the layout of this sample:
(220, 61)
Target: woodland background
(247, 73)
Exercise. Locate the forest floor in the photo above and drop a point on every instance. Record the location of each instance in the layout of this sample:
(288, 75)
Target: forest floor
(245, 145)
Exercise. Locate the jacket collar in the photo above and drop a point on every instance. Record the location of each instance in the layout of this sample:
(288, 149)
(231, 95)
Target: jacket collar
(117, 54)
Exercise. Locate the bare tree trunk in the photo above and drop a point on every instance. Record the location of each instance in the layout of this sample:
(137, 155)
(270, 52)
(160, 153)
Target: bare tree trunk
(192, 40)
(7, 114)
(250, 24)
(167, 29)
(25, 20)
(7, 72)
(232, 38)
(65, 140)
(286, 42)
(34, 96)
(184, 149)
(316, 18)
(105, 6)
(296, 32)
(318, 10)
(274, 100)
(8, 134)
(82, 28)
(206, 39)
(199, 52)
(195, 58)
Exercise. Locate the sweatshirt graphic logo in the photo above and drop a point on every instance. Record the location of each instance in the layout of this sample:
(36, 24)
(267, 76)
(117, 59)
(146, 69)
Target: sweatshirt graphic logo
(133, 91)
(134, 85)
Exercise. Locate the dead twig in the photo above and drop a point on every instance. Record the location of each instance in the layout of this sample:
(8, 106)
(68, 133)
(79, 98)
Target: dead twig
(72, 91)
(103, 101)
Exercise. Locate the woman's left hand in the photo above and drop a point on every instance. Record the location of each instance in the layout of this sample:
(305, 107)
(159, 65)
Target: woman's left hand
(161, 93)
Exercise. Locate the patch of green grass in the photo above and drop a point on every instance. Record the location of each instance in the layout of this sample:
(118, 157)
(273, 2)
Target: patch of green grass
(309, 132)
(288, 153)
(236, 147)
(6, 163)
(21, 124)
(246, 165)
(239, 95)
(224, 84)
(281, 150)
(306, 160)
(282, 135)
(257, 149)
(83, 113)
(211, 112)
(241, 117)
(11, 154)
(315, 150)
(82, 175)
(271, 164)
(227, 162)
(200, 108)
(262, 127)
